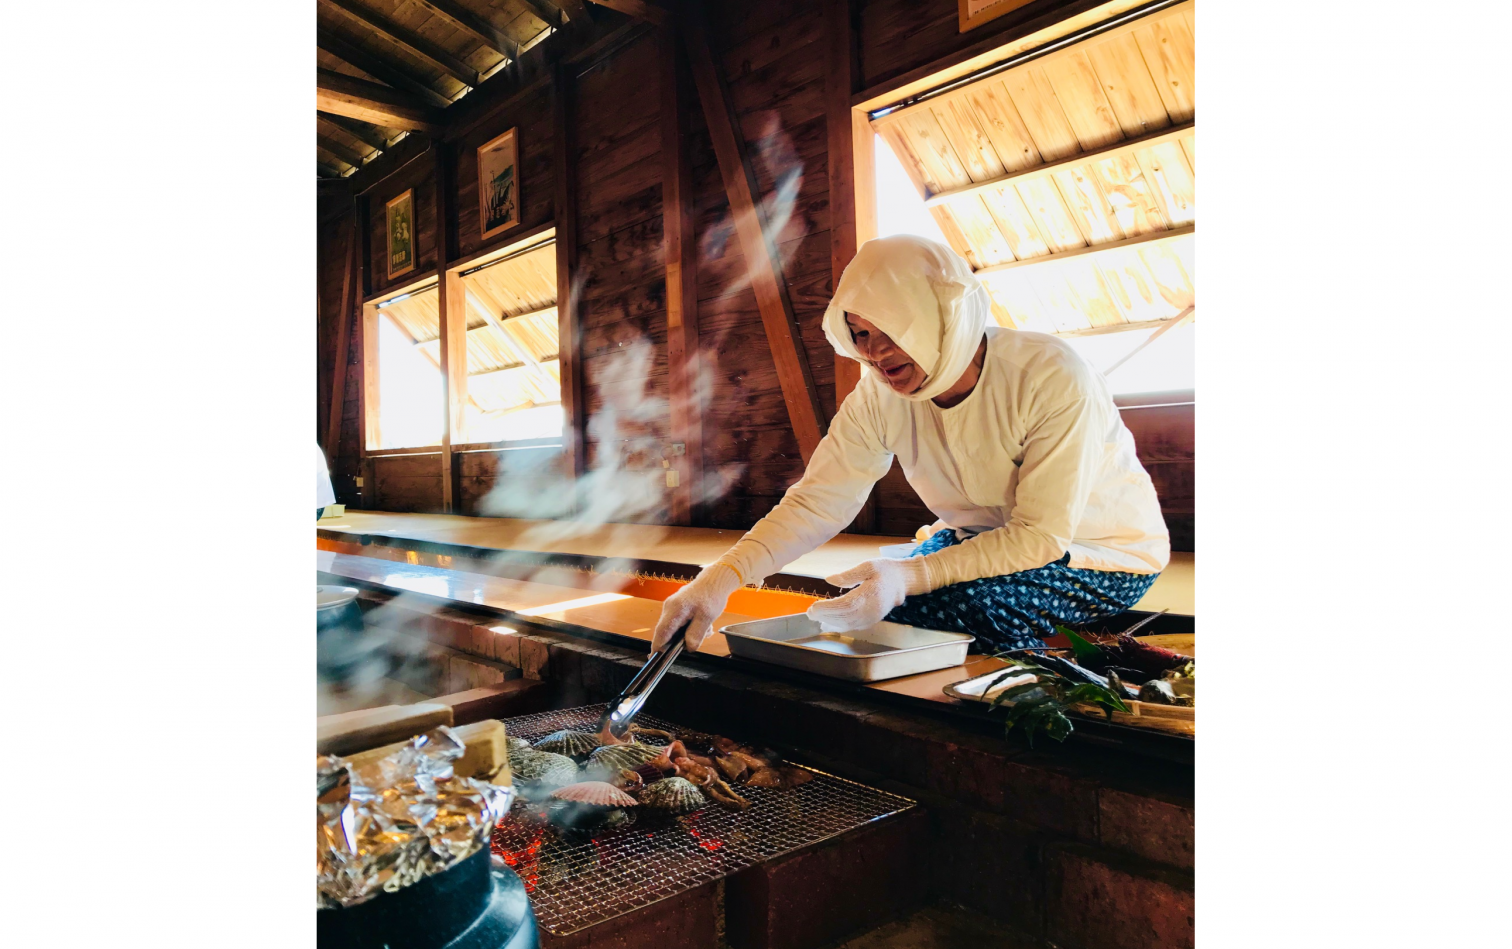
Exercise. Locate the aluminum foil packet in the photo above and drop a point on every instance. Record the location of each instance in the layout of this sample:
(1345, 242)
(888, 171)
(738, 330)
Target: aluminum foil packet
(384, 824)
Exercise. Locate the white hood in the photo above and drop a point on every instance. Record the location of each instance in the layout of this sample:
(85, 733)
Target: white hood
(920, 293)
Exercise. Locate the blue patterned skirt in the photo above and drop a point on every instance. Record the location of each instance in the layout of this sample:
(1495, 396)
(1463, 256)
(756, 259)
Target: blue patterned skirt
(1019, 610)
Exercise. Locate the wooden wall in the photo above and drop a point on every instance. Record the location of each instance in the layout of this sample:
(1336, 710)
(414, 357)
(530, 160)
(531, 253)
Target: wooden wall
(772, 58)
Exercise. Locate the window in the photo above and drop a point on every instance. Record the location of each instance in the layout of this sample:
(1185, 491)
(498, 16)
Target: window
(411, 395)
(514, 382)
(1067, 182)
(513, 387)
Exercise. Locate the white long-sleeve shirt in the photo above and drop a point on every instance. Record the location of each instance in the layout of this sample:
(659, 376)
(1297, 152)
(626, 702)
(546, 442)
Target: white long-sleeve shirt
(1033, 463)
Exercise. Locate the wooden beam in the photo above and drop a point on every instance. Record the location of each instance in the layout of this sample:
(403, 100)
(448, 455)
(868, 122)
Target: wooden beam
(549, 13)
(577, 13)
(345, 152)
(343, 346)
(369, 134)
(413, 42)
(852, 186)
(324, 122)
(452, 310)
(680, 242)
(369, 102)
(377, 67)
(804, 409)
(325, 159)
(1051, 167)
(1152, 237)
(574, 440)
(476, 26)
(639, 9)
(513, 345)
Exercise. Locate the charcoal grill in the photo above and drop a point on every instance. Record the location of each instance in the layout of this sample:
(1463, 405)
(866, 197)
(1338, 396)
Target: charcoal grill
(576, 880)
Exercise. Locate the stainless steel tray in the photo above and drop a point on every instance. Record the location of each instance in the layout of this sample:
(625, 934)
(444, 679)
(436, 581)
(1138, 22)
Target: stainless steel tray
(884, 651)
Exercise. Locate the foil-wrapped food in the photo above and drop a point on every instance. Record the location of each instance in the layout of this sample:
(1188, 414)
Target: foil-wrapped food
(383, 824)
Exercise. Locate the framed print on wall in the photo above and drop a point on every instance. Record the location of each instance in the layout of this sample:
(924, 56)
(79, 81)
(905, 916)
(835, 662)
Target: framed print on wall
(499, 184)
(401, 234)
(976, 12)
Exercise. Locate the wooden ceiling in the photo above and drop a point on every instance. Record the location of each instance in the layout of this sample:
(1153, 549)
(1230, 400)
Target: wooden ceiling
(1080, 163)
(389, 67)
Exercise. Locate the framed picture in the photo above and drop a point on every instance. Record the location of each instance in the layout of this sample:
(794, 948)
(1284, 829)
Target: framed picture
(976, 12)
(499, 184)
(401, 234)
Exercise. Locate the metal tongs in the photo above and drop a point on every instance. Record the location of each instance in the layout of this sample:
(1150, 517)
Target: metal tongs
(624, 709)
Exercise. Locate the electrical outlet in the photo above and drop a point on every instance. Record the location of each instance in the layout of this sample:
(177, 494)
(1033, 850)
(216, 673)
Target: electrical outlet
(672, 477)
(679, 448)
(359, 481)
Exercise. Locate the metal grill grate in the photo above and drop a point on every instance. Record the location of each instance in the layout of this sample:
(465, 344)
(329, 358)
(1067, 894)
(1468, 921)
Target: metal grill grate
(576, 881)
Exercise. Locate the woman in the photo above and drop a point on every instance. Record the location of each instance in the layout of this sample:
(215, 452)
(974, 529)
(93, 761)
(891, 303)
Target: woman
(1046, 515)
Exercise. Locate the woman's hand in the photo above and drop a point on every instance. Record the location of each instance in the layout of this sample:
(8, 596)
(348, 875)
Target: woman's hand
(880, 585)
(698, 604)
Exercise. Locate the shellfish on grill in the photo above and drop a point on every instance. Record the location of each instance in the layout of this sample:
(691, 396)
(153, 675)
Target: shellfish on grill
(589, 805)
(574, 744)
(538, 772)
(516, 744)
(673, 796)
(612, 759)
(596, 793)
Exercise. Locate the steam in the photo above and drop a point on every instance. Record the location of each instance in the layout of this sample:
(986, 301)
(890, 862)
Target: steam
(624, 484)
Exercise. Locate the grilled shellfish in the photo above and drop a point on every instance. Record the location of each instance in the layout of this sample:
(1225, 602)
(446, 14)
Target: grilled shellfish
(537, 772)
(612, 759)
(596, 793)
(673, 796)
(574, 744)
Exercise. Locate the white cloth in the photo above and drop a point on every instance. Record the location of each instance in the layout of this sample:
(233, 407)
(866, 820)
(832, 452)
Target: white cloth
(880, 585)
(922, 295)
(1033, 464)
(323, 492)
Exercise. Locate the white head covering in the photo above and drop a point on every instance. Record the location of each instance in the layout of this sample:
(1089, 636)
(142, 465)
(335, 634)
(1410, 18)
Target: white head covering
(920, 293)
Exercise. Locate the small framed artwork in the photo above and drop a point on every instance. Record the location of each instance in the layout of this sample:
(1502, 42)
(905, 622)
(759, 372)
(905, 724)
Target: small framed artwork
(499, 184)
(976, 12)
(401, 234)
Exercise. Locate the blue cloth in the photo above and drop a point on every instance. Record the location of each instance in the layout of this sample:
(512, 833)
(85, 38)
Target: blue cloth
(1019, 610)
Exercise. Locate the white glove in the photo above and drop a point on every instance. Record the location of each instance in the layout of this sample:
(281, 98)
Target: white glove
(698, 604)
(880, 585)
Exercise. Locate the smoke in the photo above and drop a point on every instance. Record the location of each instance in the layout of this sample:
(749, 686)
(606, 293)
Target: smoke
(617, 503)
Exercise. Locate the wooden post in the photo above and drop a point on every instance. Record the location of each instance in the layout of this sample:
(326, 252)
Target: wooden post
(367, 392)
(804, 409)
(343, 348)
(569, 352)
(680, 240)
(852, 186)
(451, 304)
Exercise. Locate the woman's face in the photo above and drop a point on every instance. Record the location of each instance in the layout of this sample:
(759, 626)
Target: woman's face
(877, 348)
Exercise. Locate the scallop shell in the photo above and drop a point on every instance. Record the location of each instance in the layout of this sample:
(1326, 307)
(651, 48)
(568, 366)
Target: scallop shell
(613, 759)
(594, 792)
(516, 744)
(673, 795)
(573, 744)
(542, 770)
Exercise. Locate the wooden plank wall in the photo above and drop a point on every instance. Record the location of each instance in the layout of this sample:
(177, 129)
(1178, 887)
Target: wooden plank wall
(621, 275)
(772, 56)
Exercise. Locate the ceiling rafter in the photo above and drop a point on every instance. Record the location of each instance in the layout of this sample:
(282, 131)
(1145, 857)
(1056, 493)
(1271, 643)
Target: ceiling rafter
(329, 159)
(548, 12)
(475, 25)
(370, 102)
(346, 153)
(368, 134)
(640, 10)
(409, 40)
(383, 70)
